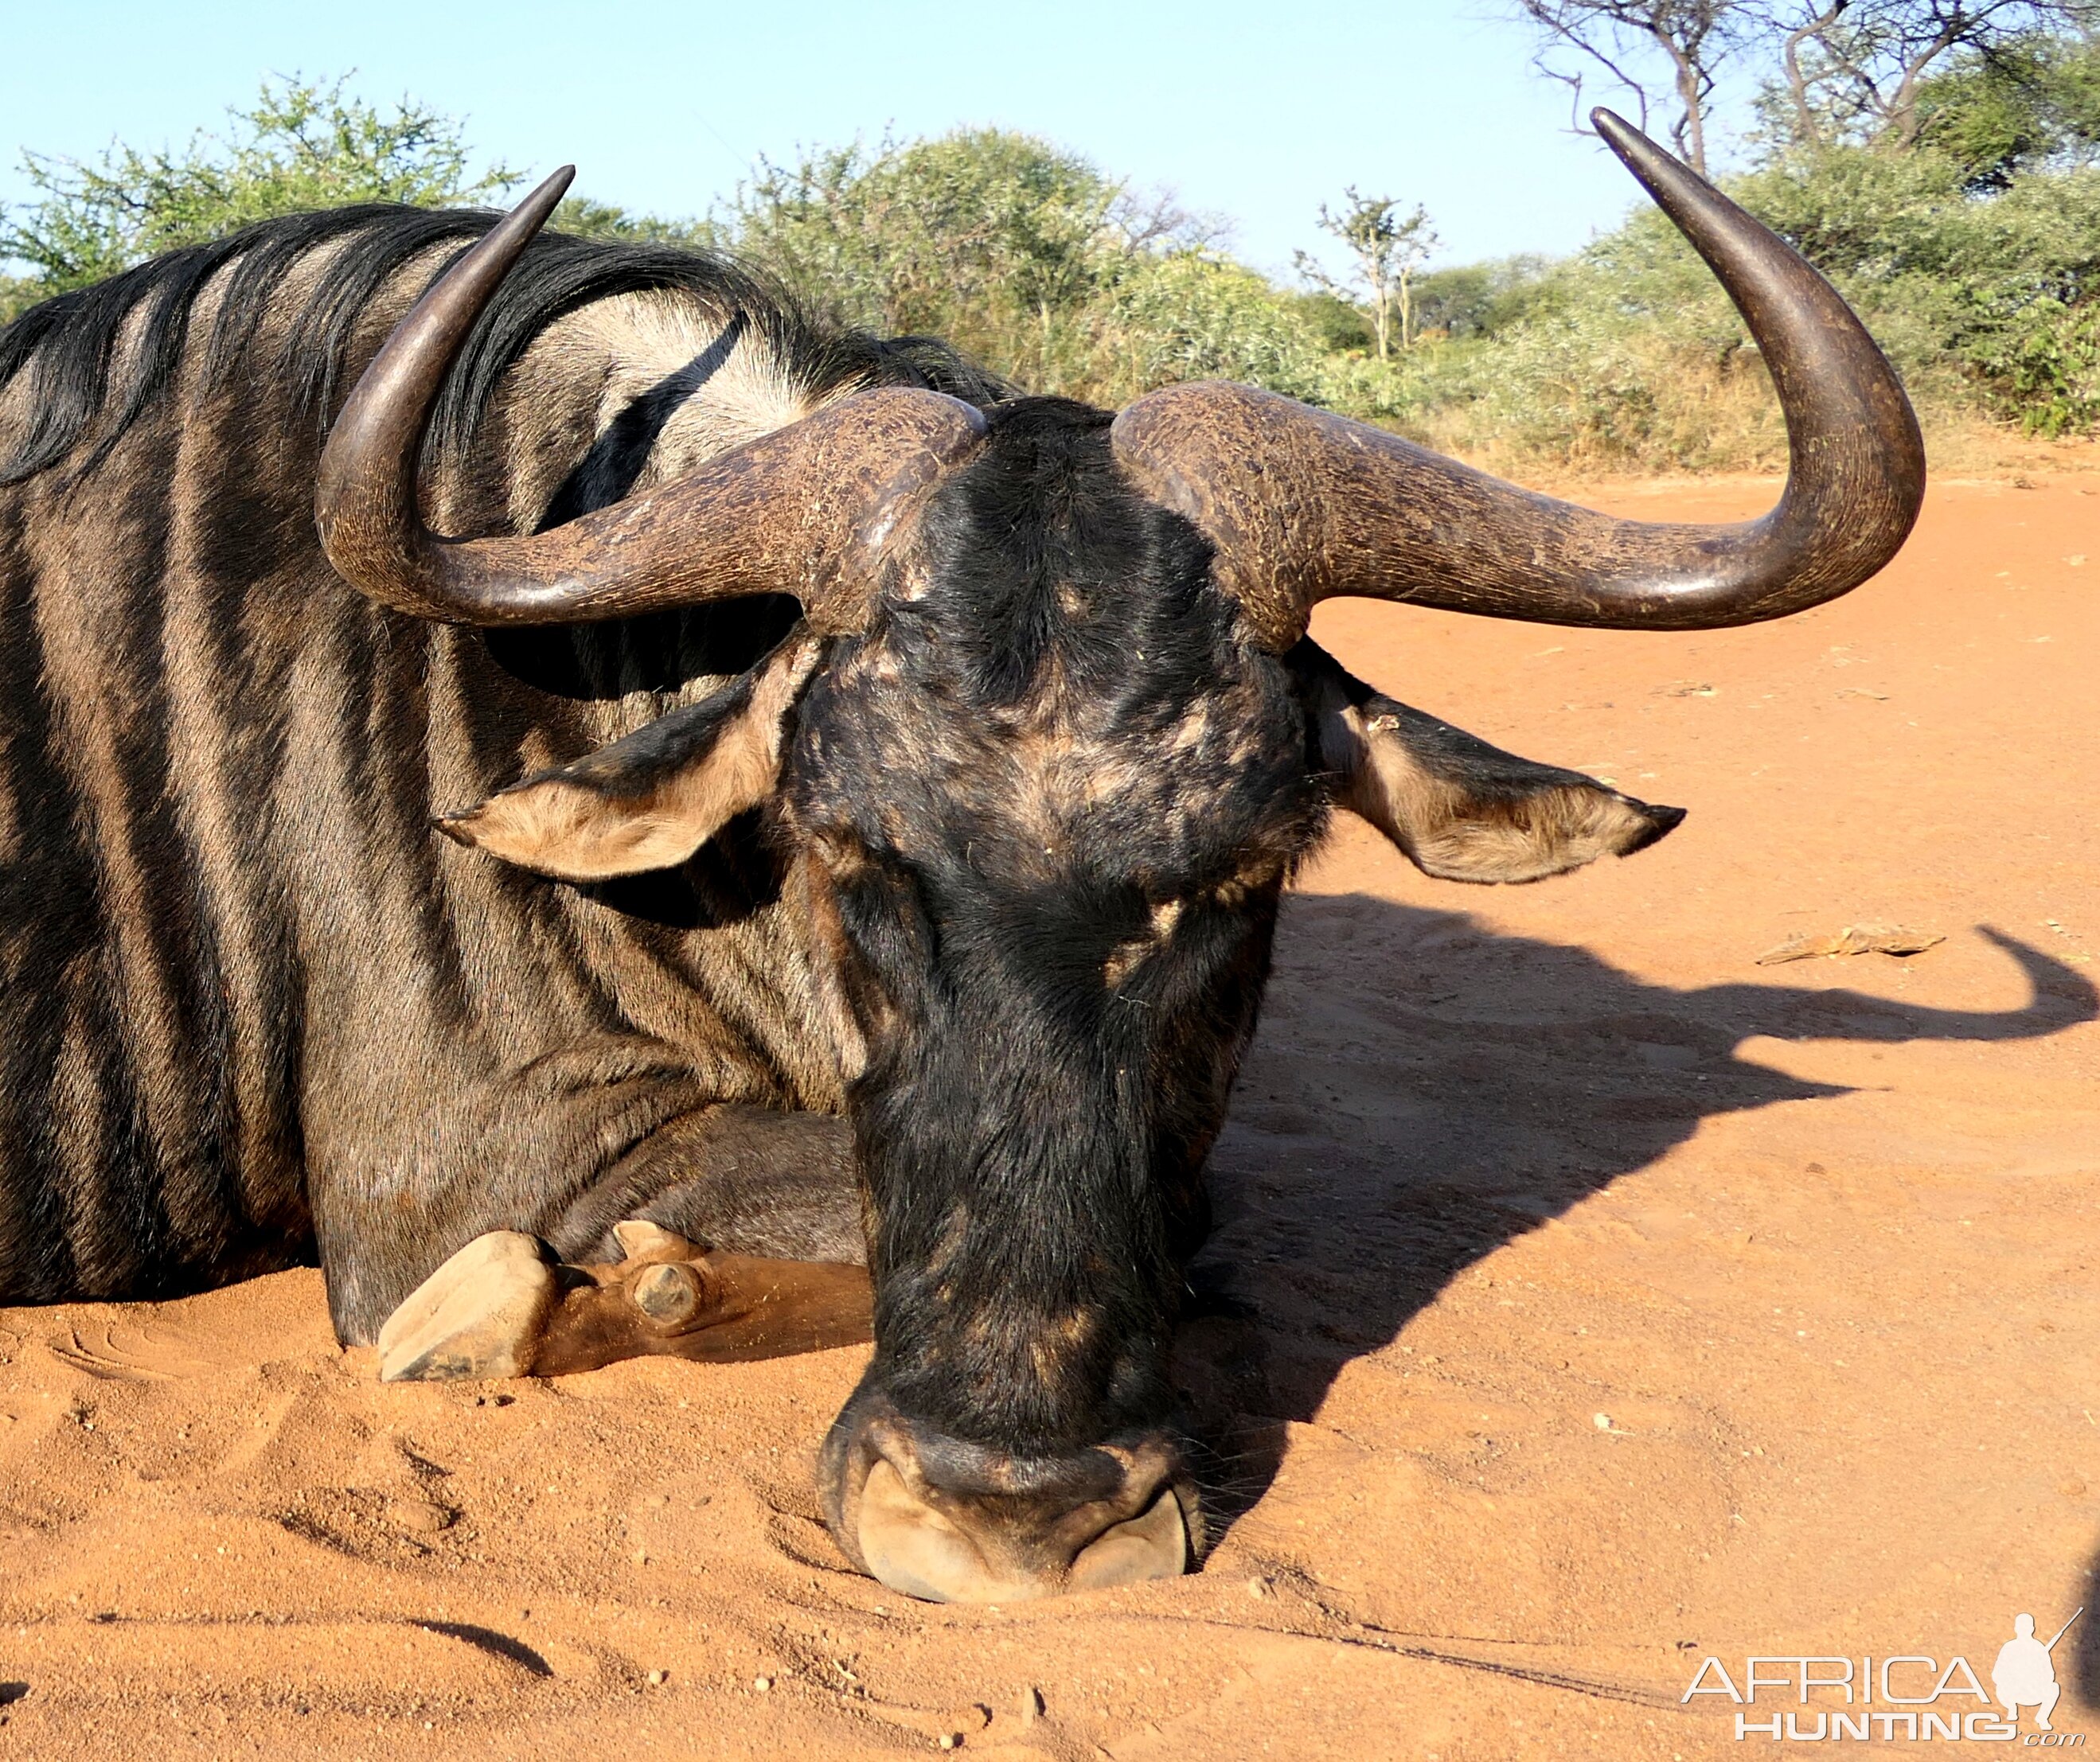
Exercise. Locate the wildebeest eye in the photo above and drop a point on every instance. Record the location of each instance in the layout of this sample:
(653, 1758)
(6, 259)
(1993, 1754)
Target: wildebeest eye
(842, 855)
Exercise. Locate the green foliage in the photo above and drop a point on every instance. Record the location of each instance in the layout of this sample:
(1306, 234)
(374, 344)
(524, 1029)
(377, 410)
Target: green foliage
(18, 293)
(1341, 325)
(2033, 105)
(1189, 314)
(1625, 356)
(1973, 254)
(929, 235)
(588, 220)
(1628, 356)
(1024, 256)
(1478, 299)
(302, 146)
(1985, 296)
(2047, 373)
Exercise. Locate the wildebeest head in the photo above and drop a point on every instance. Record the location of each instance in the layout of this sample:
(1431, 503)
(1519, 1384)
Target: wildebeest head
(1048, 742)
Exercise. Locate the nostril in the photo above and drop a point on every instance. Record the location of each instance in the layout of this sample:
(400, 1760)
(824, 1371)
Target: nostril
(1153, 1544)
(912, 1547)
(952, 1520)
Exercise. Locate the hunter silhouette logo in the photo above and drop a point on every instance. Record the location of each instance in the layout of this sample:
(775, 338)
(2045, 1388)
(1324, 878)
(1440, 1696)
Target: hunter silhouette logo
(2025, 1676)
(1908, 1696)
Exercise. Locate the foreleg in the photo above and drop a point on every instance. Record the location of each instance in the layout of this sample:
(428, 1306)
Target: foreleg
(731, 1232)
(499, 1308)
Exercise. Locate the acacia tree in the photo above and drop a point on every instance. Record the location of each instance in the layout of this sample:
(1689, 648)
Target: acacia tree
(1388, 246)
(1640, 46)
(1857, 69)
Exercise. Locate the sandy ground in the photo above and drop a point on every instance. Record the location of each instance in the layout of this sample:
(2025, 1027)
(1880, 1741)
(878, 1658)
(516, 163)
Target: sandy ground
(1620, 1302)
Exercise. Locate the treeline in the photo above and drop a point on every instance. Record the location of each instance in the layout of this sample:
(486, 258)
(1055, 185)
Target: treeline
(1027, 257)
(1968, 236)
(1935, 158)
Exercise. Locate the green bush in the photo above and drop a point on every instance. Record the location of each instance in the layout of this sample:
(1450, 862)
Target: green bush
(1026, 257)
(1629, 355)
(588, 220)
(1982, 296)
(1478, 299)
(1189, 314)
(997, 241)
(303, 146)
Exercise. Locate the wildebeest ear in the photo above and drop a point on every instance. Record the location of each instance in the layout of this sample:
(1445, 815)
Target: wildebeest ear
(1461, 809)
(652, 799)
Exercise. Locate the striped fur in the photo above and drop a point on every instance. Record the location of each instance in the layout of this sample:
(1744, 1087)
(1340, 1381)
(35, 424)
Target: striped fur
(252, 1009)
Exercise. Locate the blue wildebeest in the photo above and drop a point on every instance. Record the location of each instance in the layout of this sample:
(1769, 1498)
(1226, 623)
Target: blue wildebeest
(866, 794)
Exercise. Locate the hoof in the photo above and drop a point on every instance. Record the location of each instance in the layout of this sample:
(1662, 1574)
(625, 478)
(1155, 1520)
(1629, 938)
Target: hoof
(641, 1240)
(668, 1293)
(479, 1315)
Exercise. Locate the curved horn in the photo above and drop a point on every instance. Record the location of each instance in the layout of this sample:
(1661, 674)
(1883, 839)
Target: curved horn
(804, 510)
(1303, 505)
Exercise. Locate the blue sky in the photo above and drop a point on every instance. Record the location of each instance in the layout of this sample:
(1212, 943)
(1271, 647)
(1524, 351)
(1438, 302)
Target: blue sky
(1256, 111)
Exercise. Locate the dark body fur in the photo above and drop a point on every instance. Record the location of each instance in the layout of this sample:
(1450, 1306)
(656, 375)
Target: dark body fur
(252, 1010)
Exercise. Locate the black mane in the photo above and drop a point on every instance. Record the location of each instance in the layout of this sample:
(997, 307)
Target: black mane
(70, 342)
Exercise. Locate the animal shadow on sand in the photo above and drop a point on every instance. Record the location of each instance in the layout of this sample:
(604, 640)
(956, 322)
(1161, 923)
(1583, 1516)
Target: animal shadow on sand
(1423, 1091)
(2082, 1678)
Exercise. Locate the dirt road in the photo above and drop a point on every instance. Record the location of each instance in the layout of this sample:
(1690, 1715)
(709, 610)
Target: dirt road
(1621, 1303)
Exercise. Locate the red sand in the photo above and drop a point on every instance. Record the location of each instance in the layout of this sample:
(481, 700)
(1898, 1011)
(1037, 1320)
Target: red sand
(1622, 1301)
